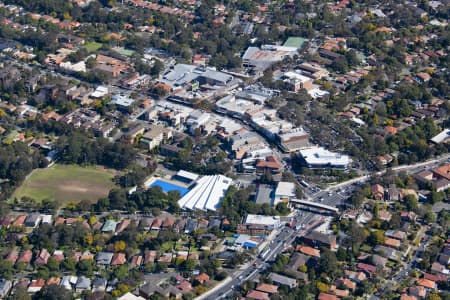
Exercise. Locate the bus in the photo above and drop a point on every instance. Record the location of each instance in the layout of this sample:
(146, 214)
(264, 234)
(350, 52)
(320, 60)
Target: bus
(264, 254)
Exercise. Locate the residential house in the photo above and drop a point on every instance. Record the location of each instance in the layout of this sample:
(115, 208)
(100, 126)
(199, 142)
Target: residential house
(25, 257)
(396, 234)
(366, 268)
(104, 258)
(278, 279)
(32, 220)
(123, 225)
(12, 256)
(83, 284)
(417, 291)
(202, 278)
(42, 258)
(257, 295)
(318, 239)
(267, 288)
(325, 296)
(118, 259)
(156, 224)
(377, 191)
(392, 243)
(426, 283)
(99, 284)
(67, 282)
(109, 226)
(5, 287)
(36, 285)
(308, 251)
(136, 261)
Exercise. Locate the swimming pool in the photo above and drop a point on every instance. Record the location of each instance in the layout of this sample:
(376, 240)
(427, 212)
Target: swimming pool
(167, 186)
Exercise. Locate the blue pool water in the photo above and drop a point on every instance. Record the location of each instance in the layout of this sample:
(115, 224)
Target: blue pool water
(167, 187)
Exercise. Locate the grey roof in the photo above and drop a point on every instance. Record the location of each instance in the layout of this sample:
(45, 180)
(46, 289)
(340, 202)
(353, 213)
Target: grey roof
(5, 286)
(83, 283)
(98, 282)
(321, 237)
(32, 219)
(283, 280)
(104, 258)
(386, 251)
(217, 76)
(297, 260)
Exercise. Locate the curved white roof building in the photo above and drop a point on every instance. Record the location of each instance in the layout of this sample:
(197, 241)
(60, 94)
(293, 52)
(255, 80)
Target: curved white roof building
(207, 193)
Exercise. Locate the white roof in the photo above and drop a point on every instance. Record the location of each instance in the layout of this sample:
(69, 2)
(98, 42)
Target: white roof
(321, 156)
(46, 219)
(100, 91)
(207, 193)
(442, 136)
(130, 296)
(286, 189)
(296, 76)
(262, 220)
(188, 175)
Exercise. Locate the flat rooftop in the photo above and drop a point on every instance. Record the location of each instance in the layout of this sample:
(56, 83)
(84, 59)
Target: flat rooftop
(321, 156)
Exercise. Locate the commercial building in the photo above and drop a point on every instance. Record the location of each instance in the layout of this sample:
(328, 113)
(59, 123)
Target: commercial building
(260, 59)
(185, 176)
(284, 192)
(207, 193)
(320, 158)
(197, 119)
(183, 74)
(122, 102)
(297, 81)
(294, 140)
(269, 222)
(233, 106)
(155, 136)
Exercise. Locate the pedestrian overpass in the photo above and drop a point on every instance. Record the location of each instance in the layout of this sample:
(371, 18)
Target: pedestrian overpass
(311, 204)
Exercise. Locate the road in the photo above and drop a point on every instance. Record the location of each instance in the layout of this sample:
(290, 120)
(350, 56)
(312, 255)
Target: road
(284, 237)
(405, 168)
(406, 268)
(332, 195)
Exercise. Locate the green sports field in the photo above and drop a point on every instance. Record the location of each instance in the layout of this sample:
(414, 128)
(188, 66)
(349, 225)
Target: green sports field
(67, 183)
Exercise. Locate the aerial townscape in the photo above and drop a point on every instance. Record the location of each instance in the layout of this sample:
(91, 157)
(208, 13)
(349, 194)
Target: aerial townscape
(224, 149)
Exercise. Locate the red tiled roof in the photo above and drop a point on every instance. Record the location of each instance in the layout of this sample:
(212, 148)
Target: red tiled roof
(118, 259)
(257, 295)
(426, 283)
(202, 277)
(366, 267)
(267, 288)
(325, 296)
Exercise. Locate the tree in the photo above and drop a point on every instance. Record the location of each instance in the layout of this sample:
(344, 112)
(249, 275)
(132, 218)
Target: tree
(121, 272)
(120, 246)
(411, 202)
(358, 235)
(322, 287)
(53, 292)
(20, 293)
(434, 296)
(328, 262)
(376, 237)
(6, 269)
(341, 254)
(188, 265)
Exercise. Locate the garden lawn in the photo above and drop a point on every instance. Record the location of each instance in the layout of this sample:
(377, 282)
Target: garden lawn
(92, 46)
(67, 183)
